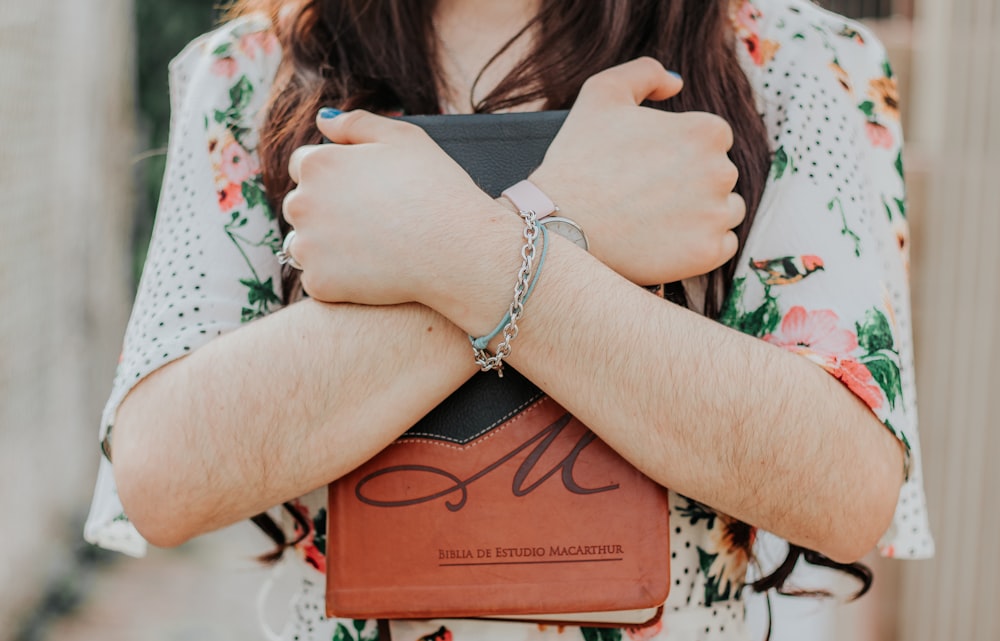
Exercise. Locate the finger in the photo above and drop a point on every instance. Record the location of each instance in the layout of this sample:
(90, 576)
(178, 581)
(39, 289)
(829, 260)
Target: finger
(729, 174)
(632, 83)
(737, 210)
(295, 161)
(726, 136)
(728, 246)
(359, 126)
(287, 205)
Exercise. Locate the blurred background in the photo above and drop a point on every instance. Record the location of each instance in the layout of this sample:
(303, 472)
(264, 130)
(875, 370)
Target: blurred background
(83, 124)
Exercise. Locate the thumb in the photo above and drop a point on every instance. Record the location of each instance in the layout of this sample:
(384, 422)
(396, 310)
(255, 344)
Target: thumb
(359, 126)
(632, 82)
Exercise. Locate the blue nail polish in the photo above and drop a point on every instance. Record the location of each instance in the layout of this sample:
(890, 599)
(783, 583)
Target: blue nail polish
(675, 74)
(326, 113)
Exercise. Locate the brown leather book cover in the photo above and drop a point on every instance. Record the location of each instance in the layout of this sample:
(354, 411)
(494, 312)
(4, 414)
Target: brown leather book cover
(498, 502)
(534, 517)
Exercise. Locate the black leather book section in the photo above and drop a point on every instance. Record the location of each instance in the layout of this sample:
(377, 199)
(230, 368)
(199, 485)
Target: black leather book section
(497, 150)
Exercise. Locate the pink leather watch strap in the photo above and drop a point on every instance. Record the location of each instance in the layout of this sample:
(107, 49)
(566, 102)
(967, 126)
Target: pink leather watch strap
(526, 196)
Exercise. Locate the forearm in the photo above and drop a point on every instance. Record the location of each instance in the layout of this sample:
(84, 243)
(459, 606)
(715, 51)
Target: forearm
(276, 409)
(747, 428)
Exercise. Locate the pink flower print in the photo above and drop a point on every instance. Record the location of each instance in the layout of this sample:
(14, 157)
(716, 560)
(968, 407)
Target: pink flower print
(230, 197)
(859, 380)
(311, 554)
(816, 336)
(306, 546)
(814, 332)
(879, 135)
(252, 42)
(746, 17)
(236, 164)
(225, 67)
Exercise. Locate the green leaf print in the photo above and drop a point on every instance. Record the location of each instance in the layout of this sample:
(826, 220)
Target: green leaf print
(875, 333)
(876, 339)
(222, 50)
(868, 108)
(601, 634)
(902, 436)
(901, 206)
(849, 32)
(705, 560)
(713, 584)
(260, 297)
(273, 238)
(729, 310)
(845, 230)
(239, 133)
(759, 322)
(240, 94)
(342, 633)
(730, 315)
(886, 373)
(370, 635)
(781, 163)
(695, 512)
(899, 164)
(894, 207)
(763, 320)
(887, 69)
(258, 292)
(253, 193)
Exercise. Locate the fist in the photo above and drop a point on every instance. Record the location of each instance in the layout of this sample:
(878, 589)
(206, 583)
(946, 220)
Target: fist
(653, 190)
(375, 211)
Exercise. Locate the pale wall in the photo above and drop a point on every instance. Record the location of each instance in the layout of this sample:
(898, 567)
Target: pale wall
(957, 304)
(65, 180)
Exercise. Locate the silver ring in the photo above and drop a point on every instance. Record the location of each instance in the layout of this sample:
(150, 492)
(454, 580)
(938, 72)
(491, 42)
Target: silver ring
(284, 256)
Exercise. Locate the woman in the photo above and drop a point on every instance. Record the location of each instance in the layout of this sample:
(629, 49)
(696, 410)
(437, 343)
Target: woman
(809, 433)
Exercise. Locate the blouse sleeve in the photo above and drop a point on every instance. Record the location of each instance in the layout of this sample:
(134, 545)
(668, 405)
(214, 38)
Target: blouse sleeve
(824, 272)
(211, 264)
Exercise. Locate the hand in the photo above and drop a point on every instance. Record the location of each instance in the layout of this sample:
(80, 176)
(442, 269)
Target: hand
(651, 189)
(375, 212)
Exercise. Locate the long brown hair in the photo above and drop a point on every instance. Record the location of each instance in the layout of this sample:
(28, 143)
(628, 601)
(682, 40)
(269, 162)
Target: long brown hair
(380, 55)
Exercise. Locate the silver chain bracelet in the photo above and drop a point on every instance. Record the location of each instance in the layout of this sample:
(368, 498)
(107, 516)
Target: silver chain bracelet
(484, 359)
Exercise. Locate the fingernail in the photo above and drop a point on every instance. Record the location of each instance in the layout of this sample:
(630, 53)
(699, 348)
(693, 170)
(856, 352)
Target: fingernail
(675, 74)
(326, 113)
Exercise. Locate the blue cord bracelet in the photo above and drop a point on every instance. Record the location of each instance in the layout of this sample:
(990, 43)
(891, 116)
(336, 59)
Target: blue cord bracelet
(483, 341)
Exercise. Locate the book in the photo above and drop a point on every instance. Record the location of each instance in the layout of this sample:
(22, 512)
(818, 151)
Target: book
(498, 503)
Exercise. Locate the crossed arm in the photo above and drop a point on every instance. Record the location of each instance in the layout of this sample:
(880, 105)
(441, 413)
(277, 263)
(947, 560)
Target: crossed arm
(283, 405)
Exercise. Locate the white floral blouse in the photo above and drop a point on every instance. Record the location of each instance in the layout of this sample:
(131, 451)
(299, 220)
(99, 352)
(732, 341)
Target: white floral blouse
(823, 274)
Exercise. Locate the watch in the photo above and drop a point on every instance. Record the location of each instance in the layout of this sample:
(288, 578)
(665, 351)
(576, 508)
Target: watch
(567, 229)
(526, 196)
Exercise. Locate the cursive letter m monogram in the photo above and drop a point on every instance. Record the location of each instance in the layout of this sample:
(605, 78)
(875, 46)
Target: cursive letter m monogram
(541, 442)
